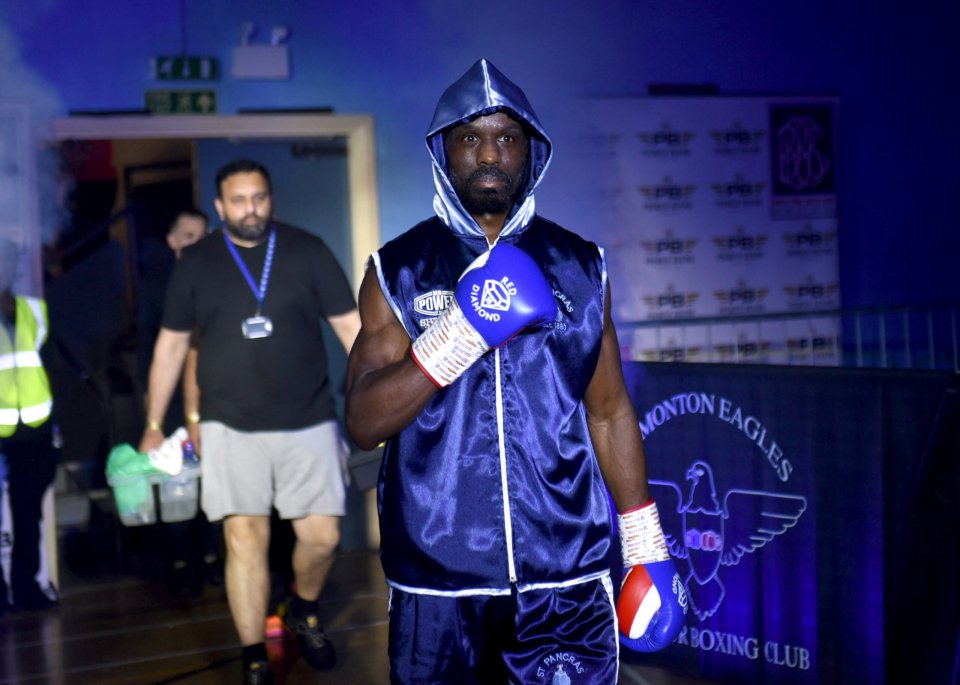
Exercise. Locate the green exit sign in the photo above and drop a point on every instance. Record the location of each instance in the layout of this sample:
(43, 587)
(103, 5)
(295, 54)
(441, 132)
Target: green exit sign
(166, 68)
(181, 101)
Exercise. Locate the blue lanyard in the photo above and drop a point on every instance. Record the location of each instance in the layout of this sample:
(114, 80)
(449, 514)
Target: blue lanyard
(261, 292)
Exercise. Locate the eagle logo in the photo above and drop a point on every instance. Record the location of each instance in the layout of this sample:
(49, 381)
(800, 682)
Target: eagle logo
(708, 533)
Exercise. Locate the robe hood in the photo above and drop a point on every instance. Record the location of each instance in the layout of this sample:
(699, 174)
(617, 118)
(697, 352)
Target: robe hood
(481, 91)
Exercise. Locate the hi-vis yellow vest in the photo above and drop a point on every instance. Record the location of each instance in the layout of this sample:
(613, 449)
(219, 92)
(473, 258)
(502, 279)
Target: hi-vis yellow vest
(24, 386)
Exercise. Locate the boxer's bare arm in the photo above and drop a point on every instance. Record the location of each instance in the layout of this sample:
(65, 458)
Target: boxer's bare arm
(385, 388)
(613, 424)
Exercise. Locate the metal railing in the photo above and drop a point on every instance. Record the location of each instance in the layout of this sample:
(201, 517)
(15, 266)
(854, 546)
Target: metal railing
(915, 337)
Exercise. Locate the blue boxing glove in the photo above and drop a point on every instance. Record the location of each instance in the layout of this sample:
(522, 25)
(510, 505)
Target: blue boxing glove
(652, 605)
(502, 292)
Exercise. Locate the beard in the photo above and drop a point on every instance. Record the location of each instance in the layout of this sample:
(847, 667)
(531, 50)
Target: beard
(487, 200)
(247, 230)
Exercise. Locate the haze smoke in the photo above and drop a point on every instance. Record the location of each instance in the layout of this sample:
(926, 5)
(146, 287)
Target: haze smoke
(29, 169)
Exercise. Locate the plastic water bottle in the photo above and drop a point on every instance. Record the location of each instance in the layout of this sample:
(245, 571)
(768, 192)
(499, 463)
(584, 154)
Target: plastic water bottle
(178, 493)
(189, 453)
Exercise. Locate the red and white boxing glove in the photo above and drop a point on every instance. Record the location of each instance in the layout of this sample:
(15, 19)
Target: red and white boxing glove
(653, 601)
(502, 292)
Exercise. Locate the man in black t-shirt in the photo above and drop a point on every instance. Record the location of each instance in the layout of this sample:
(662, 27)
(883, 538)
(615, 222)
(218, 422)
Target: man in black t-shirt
(252, 295)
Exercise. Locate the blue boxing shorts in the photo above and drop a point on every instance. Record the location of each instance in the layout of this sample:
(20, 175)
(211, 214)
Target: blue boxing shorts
(554, 636)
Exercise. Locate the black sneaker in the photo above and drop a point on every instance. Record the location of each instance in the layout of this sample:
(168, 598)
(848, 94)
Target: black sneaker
(183, 582)
(317, 649)
(32, 599)
(213, 570)
(257, 673)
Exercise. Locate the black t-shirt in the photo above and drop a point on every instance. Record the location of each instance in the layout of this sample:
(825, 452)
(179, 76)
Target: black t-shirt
(274, 383)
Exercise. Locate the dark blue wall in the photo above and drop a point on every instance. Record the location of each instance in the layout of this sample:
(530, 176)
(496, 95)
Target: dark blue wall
(893, 65)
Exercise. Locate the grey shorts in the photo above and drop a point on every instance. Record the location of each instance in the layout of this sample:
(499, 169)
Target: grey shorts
(299, 472)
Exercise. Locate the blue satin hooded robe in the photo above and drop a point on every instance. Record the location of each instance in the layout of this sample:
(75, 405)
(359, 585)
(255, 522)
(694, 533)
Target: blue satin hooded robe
(496, 484)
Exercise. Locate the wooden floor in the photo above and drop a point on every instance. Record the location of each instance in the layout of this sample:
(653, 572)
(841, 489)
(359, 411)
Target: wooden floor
(126, 629)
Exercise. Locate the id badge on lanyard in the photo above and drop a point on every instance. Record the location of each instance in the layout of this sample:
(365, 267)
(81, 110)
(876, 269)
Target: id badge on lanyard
(258, 325)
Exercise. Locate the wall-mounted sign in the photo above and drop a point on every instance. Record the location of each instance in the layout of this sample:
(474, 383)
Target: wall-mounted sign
(183, 68)
(181, 101)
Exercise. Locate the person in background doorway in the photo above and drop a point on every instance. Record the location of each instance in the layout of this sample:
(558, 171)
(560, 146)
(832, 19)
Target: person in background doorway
(194, 545)
(187, 227)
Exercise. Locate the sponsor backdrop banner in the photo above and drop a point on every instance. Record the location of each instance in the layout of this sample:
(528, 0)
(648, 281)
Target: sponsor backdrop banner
(771, 488)
(711, 207)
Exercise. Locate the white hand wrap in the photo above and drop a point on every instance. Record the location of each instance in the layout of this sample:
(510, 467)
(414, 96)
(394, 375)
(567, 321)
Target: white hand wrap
(448, 347)
(641, 537)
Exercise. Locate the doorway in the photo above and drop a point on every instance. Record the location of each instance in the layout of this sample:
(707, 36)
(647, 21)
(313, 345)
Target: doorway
(355, 132)
(176, 157)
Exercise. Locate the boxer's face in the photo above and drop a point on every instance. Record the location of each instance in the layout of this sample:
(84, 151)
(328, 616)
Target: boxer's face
(486, 160)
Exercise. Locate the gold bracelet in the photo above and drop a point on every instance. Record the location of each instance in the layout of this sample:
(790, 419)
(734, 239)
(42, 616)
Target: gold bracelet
(153, 425)
(193, 417)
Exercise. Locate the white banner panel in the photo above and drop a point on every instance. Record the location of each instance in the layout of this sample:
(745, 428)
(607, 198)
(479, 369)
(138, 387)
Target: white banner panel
(712, 207)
